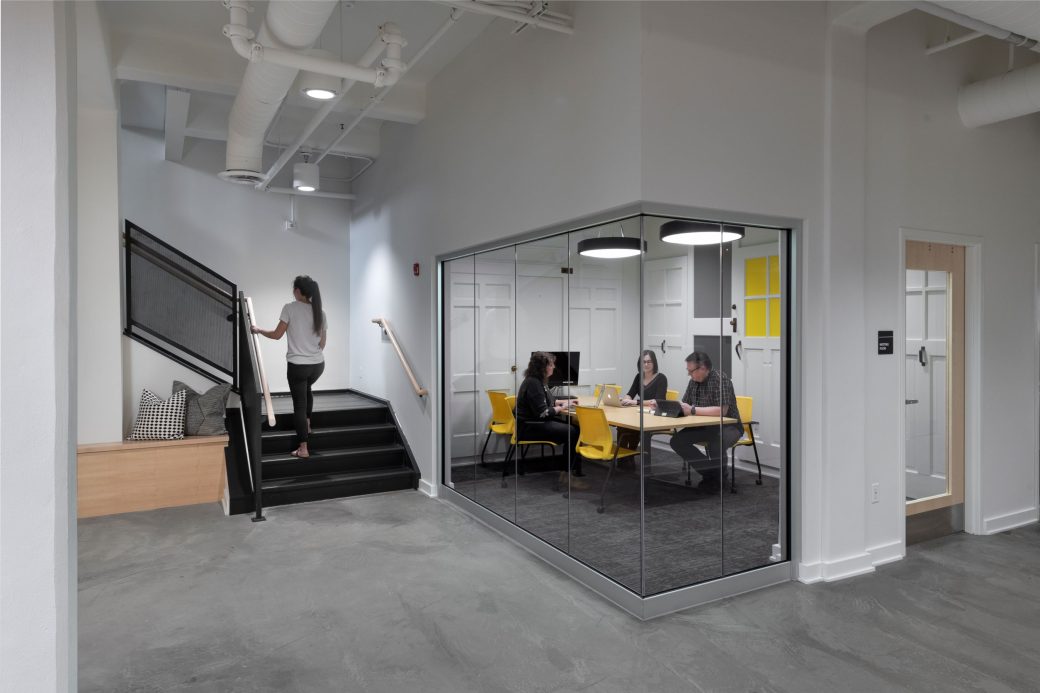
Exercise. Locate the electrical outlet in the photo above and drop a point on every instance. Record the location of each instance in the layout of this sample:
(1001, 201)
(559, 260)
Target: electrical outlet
(875, 492)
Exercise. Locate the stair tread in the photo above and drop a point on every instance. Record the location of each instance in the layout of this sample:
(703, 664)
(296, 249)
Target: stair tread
(312, 480)
(333, 453)
(357, 428)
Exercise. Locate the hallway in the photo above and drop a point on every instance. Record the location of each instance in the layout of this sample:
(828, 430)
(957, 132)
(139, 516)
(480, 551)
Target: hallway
(399, 593)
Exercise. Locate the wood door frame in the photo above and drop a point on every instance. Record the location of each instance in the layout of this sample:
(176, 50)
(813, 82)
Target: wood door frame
(972, 371)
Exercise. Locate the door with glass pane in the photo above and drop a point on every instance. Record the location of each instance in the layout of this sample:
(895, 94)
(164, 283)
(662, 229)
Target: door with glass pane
(933, 358)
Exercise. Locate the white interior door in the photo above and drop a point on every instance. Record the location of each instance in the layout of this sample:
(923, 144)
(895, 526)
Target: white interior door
(756, 358)
(666, 291)
(595, 326)
(925, 362)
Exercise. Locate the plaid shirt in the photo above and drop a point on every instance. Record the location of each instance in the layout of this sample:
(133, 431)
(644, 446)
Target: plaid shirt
(715, 391)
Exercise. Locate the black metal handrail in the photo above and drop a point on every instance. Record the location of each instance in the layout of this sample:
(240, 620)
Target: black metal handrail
(254, 392)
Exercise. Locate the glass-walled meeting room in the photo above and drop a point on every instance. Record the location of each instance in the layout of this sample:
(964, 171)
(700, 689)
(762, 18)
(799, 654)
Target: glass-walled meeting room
(618, 391)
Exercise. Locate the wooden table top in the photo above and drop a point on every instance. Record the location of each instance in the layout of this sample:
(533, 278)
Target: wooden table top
(628, 417)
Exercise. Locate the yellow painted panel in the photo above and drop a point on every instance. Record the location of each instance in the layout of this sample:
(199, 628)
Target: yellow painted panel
(755, 317)
(774, 274)
(755, 276)
(774, 317)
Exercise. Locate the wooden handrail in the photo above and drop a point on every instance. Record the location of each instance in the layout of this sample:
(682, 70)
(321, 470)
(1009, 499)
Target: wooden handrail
(385, 324)
(260, 364)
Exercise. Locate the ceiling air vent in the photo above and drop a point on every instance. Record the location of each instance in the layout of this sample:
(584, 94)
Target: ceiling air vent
(241, 176)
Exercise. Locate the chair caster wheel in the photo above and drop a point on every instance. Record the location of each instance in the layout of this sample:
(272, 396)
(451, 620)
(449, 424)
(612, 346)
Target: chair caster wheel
(600, 510)
(758, 482)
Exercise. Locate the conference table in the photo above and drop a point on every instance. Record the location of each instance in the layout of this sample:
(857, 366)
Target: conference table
(629, 418)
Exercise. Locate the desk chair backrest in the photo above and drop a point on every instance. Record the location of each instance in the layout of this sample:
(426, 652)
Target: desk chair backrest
(616, 388)
(745, 409)
(501, 413)
(595, 440)
(672, 395)
(510, 409)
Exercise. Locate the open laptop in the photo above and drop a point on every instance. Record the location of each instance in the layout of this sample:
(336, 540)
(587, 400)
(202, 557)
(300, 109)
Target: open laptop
(609, 397)
(669, 408)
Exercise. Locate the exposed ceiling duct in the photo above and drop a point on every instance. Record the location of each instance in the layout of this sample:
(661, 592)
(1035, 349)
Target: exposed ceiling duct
(275, 58)
(1014, 93)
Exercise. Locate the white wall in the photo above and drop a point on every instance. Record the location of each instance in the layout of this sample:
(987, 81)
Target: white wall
(37, 371)
(238, 233)
(927, 171)
(522, 131)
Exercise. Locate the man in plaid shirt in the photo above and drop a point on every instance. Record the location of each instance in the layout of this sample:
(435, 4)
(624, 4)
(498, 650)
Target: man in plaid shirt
(710, 393)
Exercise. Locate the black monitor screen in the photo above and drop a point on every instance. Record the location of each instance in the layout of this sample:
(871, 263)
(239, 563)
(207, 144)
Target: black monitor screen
(566, 372)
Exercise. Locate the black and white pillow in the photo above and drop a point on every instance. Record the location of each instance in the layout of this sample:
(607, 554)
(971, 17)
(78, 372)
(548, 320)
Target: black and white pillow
(159, 419)
(203, 412)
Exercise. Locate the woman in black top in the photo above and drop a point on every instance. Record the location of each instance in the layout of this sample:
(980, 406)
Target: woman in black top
(537, 411)
(655, 384)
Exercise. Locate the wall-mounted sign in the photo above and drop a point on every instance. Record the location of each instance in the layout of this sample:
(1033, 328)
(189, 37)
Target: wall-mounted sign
(885, 342)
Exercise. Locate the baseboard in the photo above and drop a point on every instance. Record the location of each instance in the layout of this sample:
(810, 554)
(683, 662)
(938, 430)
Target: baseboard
(832, 571)
(427, 488)
(887, 553)
(1003, 523)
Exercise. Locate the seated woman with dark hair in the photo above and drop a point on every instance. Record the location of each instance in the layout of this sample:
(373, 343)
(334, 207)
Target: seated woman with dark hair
(655, 384)
(537, 411)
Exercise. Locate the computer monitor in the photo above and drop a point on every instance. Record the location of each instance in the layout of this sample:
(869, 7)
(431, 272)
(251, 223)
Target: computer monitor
(566, 372)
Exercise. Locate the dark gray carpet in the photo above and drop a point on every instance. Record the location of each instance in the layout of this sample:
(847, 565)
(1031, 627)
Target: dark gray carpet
(689, 536)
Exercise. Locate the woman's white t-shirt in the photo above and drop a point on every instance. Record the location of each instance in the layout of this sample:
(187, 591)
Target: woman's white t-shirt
(300, 334)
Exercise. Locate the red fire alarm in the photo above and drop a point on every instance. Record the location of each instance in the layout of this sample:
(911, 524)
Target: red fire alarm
(415, 269)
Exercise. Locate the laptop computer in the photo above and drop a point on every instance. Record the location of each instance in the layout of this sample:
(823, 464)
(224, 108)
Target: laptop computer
(609, 397)
(669, 408)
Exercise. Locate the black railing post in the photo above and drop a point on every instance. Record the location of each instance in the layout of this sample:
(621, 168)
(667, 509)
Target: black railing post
(252, 416)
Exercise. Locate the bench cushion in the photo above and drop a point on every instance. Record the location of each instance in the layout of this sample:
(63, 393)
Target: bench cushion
(203, 412)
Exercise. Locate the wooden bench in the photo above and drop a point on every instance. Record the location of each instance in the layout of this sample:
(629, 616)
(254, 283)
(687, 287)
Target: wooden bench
(137, 475)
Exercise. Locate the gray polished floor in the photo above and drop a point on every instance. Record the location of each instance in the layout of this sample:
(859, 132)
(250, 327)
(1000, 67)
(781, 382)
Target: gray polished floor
(400, 593)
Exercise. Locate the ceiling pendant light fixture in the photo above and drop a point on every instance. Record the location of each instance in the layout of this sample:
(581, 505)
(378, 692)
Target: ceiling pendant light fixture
(319, 86)
(306, 176)
(611, 247)
(683, 232)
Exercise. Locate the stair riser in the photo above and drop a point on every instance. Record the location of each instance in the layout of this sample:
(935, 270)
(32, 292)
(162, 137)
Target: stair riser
(320, 440)
(346, 417)
(334, 464)
(340, 490)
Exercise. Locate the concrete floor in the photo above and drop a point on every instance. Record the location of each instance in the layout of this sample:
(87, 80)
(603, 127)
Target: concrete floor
(399, 593)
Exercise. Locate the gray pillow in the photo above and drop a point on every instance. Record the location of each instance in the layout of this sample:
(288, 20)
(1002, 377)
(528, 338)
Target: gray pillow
(204, 413)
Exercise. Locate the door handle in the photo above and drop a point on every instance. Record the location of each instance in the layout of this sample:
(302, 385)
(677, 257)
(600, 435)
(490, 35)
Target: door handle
(662, 346)
(737, 348)
(733, 323)
(912, 401)
(922, 356)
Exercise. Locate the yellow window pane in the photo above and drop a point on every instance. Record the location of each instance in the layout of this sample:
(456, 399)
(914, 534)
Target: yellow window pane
(755, 317)
(774, 274)
(755, 276)
(774, 317)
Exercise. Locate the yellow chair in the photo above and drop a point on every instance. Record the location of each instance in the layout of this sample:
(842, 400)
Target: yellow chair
(595, 442)
(501, 418)
(514, 443)
(672, 395)
(595, 391)
(744, 406)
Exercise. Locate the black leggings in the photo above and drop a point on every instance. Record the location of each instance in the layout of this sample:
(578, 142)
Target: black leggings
(301, 377)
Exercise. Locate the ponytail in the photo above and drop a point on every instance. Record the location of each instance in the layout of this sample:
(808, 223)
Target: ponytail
(309, 288)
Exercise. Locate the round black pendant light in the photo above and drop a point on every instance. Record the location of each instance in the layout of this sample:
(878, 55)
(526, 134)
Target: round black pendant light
(685, 232)
(610, 247)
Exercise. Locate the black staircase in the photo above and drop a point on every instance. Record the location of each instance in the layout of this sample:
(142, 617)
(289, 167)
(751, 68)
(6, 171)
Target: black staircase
(355, 450)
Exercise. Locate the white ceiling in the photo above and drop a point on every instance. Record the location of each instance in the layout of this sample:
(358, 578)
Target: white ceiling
(157, 44)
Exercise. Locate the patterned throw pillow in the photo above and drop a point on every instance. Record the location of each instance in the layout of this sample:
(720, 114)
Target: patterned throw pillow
(204, 413)
(159, 419)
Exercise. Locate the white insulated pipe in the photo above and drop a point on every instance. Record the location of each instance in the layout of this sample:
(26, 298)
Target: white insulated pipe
(275, 59)
(288, 25)
(978, 25)
(481, 8)
(371, 55)
(1010, 95)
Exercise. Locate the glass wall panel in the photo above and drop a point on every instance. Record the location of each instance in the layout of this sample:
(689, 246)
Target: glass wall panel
(545, 444)
(494, 279)
(751, 503)
(603, 329)
(463, 434)
(546, 334)
(682, 502)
